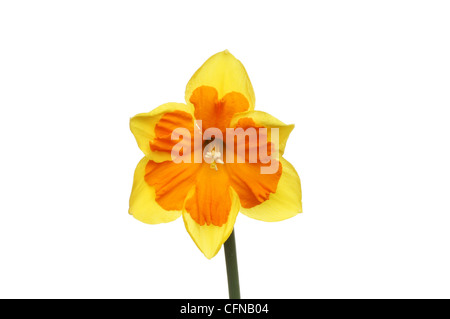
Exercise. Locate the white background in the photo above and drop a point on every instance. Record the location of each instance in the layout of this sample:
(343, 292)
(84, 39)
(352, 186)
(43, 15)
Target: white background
(366, 83)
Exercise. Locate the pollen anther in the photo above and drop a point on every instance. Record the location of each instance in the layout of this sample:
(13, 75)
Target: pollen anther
(216, 158)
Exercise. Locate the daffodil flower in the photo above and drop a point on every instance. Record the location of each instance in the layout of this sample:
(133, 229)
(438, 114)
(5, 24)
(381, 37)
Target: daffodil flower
(210, 193)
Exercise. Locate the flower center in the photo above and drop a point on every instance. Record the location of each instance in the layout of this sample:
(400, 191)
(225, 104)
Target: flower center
(215, 157)
(213, 153)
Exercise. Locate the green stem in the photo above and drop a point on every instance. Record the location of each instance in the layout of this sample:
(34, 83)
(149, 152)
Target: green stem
(232, 267)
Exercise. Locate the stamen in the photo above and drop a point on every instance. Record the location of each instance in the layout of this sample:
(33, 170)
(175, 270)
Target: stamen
(216, 157)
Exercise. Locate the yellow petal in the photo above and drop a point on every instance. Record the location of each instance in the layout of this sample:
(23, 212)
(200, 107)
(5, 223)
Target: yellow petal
(226, 74)
(143, 128)
(264, 119)
(142, 200)
(285, 203)
(209, 239)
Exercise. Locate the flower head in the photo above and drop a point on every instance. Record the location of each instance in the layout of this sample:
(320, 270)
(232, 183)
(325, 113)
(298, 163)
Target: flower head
(212, 157)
